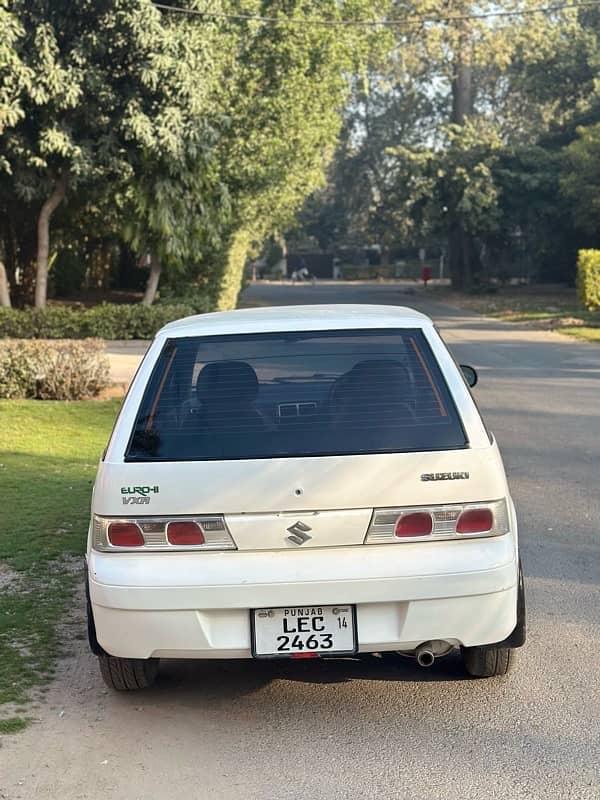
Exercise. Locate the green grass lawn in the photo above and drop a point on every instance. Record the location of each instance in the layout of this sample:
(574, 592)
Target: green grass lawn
(48, 457)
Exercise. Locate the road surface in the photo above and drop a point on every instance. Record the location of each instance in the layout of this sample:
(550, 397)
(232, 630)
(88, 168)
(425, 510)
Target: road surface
(368, 728)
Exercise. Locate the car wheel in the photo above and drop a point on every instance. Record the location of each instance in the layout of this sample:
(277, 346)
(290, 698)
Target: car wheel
(486, 662)
(128, 674)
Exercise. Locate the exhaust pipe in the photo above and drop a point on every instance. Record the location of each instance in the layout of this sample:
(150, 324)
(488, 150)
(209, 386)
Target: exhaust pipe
(425, 656)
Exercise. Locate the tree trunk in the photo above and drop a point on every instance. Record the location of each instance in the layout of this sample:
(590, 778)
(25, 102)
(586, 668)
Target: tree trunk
(462, 93)
(4, 288)
(153, 278)
(459, 241)
(459, 257)
(43, 239)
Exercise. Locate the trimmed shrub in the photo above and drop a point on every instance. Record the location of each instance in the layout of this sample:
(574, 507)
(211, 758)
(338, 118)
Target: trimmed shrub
(64, 370)
(232, 272)
(187, 294)
(16, 324)
(588, 279)
(107, 321)
(57, 322)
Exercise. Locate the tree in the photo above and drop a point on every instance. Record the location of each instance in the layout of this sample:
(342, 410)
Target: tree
(457, 93)
(376, 178)
(12, 75)
(175, 209)
(580, 182)
(98, 108)
(287, 87)
(475, 55)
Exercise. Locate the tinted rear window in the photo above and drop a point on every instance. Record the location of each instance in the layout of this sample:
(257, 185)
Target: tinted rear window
(292, 394)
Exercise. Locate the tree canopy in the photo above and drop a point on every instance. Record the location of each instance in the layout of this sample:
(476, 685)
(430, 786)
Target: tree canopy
(180, 134)
(187, 139)
(457, 140)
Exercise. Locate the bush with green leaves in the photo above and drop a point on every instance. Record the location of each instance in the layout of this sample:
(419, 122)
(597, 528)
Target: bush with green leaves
(61, 370)
(106, 321)
(588, 279)
(187, 294)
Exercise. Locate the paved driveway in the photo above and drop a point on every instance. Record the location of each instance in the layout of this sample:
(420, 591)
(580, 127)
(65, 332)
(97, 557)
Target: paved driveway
(365, 728)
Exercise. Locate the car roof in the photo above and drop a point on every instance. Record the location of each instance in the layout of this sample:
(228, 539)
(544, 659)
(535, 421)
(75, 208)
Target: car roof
(296, 318)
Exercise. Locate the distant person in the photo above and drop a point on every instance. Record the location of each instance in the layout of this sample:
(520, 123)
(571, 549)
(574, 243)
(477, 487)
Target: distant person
(303, 274)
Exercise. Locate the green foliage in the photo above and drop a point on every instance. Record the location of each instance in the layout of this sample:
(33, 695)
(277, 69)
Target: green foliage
(486, 183)
(52, 371)
(12, 725)
(273, 254)
(588, 279)
(229, 281)
(114, 101)
(195, 298)
(581, 181)
(68, 273)
(175, 133)
(130, 321)
(462, 179)
(106, 321)
(13, 73)
(286, 89)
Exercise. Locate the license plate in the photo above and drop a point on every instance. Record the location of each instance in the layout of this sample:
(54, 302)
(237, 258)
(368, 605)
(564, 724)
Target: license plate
(302, 630)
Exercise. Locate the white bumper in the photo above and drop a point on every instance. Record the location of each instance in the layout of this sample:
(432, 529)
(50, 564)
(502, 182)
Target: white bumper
(190, 605)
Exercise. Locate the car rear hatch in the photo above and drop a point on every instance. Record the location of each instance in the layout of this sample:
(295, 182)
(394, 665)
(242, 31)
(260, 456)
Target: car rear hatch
(296, 438)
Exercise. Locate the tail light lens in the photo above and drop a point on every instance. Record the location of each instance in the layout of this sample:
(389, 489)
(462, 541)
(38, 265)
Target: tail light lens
(456, 521)
(161, 534)
(475, 520)
(418, 523)
(184, 533)
(125, 534)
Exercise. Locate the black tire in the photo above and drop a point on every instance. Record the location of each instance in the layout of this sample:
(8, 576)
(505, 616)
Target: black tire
(487, 662)
(128, 674)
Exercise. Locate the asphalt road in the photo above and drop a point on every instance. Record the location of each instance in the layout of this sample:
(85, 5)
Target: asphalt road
(369, 728)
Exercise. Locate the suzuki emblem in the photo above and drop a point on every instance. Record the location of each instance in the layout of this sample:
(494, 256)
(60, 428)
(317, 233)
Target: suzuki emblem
(299, 533)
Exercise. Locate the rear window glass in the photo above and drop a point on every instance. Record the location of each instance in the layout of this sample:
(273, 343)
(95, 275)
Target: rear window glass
(277, 395)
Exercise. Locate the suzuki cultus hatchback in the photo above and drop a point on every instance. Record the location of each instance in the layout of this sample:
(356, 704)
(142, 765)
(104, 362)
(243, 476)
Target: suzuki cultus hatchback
(301, 482)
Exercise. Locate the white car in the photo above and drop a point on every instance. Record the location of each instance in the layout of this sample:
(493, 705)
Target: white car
(301, 482)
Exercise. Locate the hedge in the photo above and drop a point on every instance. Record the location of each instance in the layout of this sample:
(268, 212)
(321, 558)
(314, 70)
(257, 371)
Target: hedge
(106, 321)
(232, 271)
(64, 370)
(588, 279)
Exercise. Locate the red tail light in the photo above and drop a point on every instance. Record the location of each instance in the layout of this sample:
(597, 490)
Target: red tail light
(125, 534)
(183, 533)
(417, 524)
(475, 520)
(161, 534)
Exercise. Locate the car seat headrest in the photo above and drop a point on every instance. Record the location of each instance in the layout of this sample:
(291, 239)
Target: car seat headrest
(373, 377)
(227, 382)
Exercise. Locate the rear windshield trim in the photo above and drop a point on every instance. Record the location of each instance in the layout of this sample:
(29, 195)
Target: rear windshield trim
(157, 374)
(329, 454)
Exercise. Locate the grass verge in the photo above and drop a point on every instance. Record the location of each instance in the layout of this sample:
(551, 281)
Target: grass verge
(48, 457)
(12, 725)
(536, 306)
(583, 332)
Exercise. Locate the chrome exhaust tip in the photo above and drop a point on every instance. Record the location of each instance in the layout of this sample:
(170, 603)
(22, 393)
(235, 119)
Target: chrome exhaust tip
(425, 657)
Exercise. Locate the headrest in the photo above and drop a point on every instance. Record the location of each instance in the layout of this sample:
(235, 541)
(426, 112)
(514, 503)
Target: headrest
(374, 377)
(228, 382)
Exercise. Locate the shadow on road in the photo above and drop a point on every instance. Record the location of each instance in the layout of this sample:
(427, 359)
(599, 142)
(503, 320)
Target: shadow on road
(233, 679)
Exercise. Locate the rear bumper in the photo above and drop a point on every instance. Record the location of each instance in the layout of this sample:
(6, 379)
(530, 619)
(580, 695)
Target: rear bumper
(182, 605)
